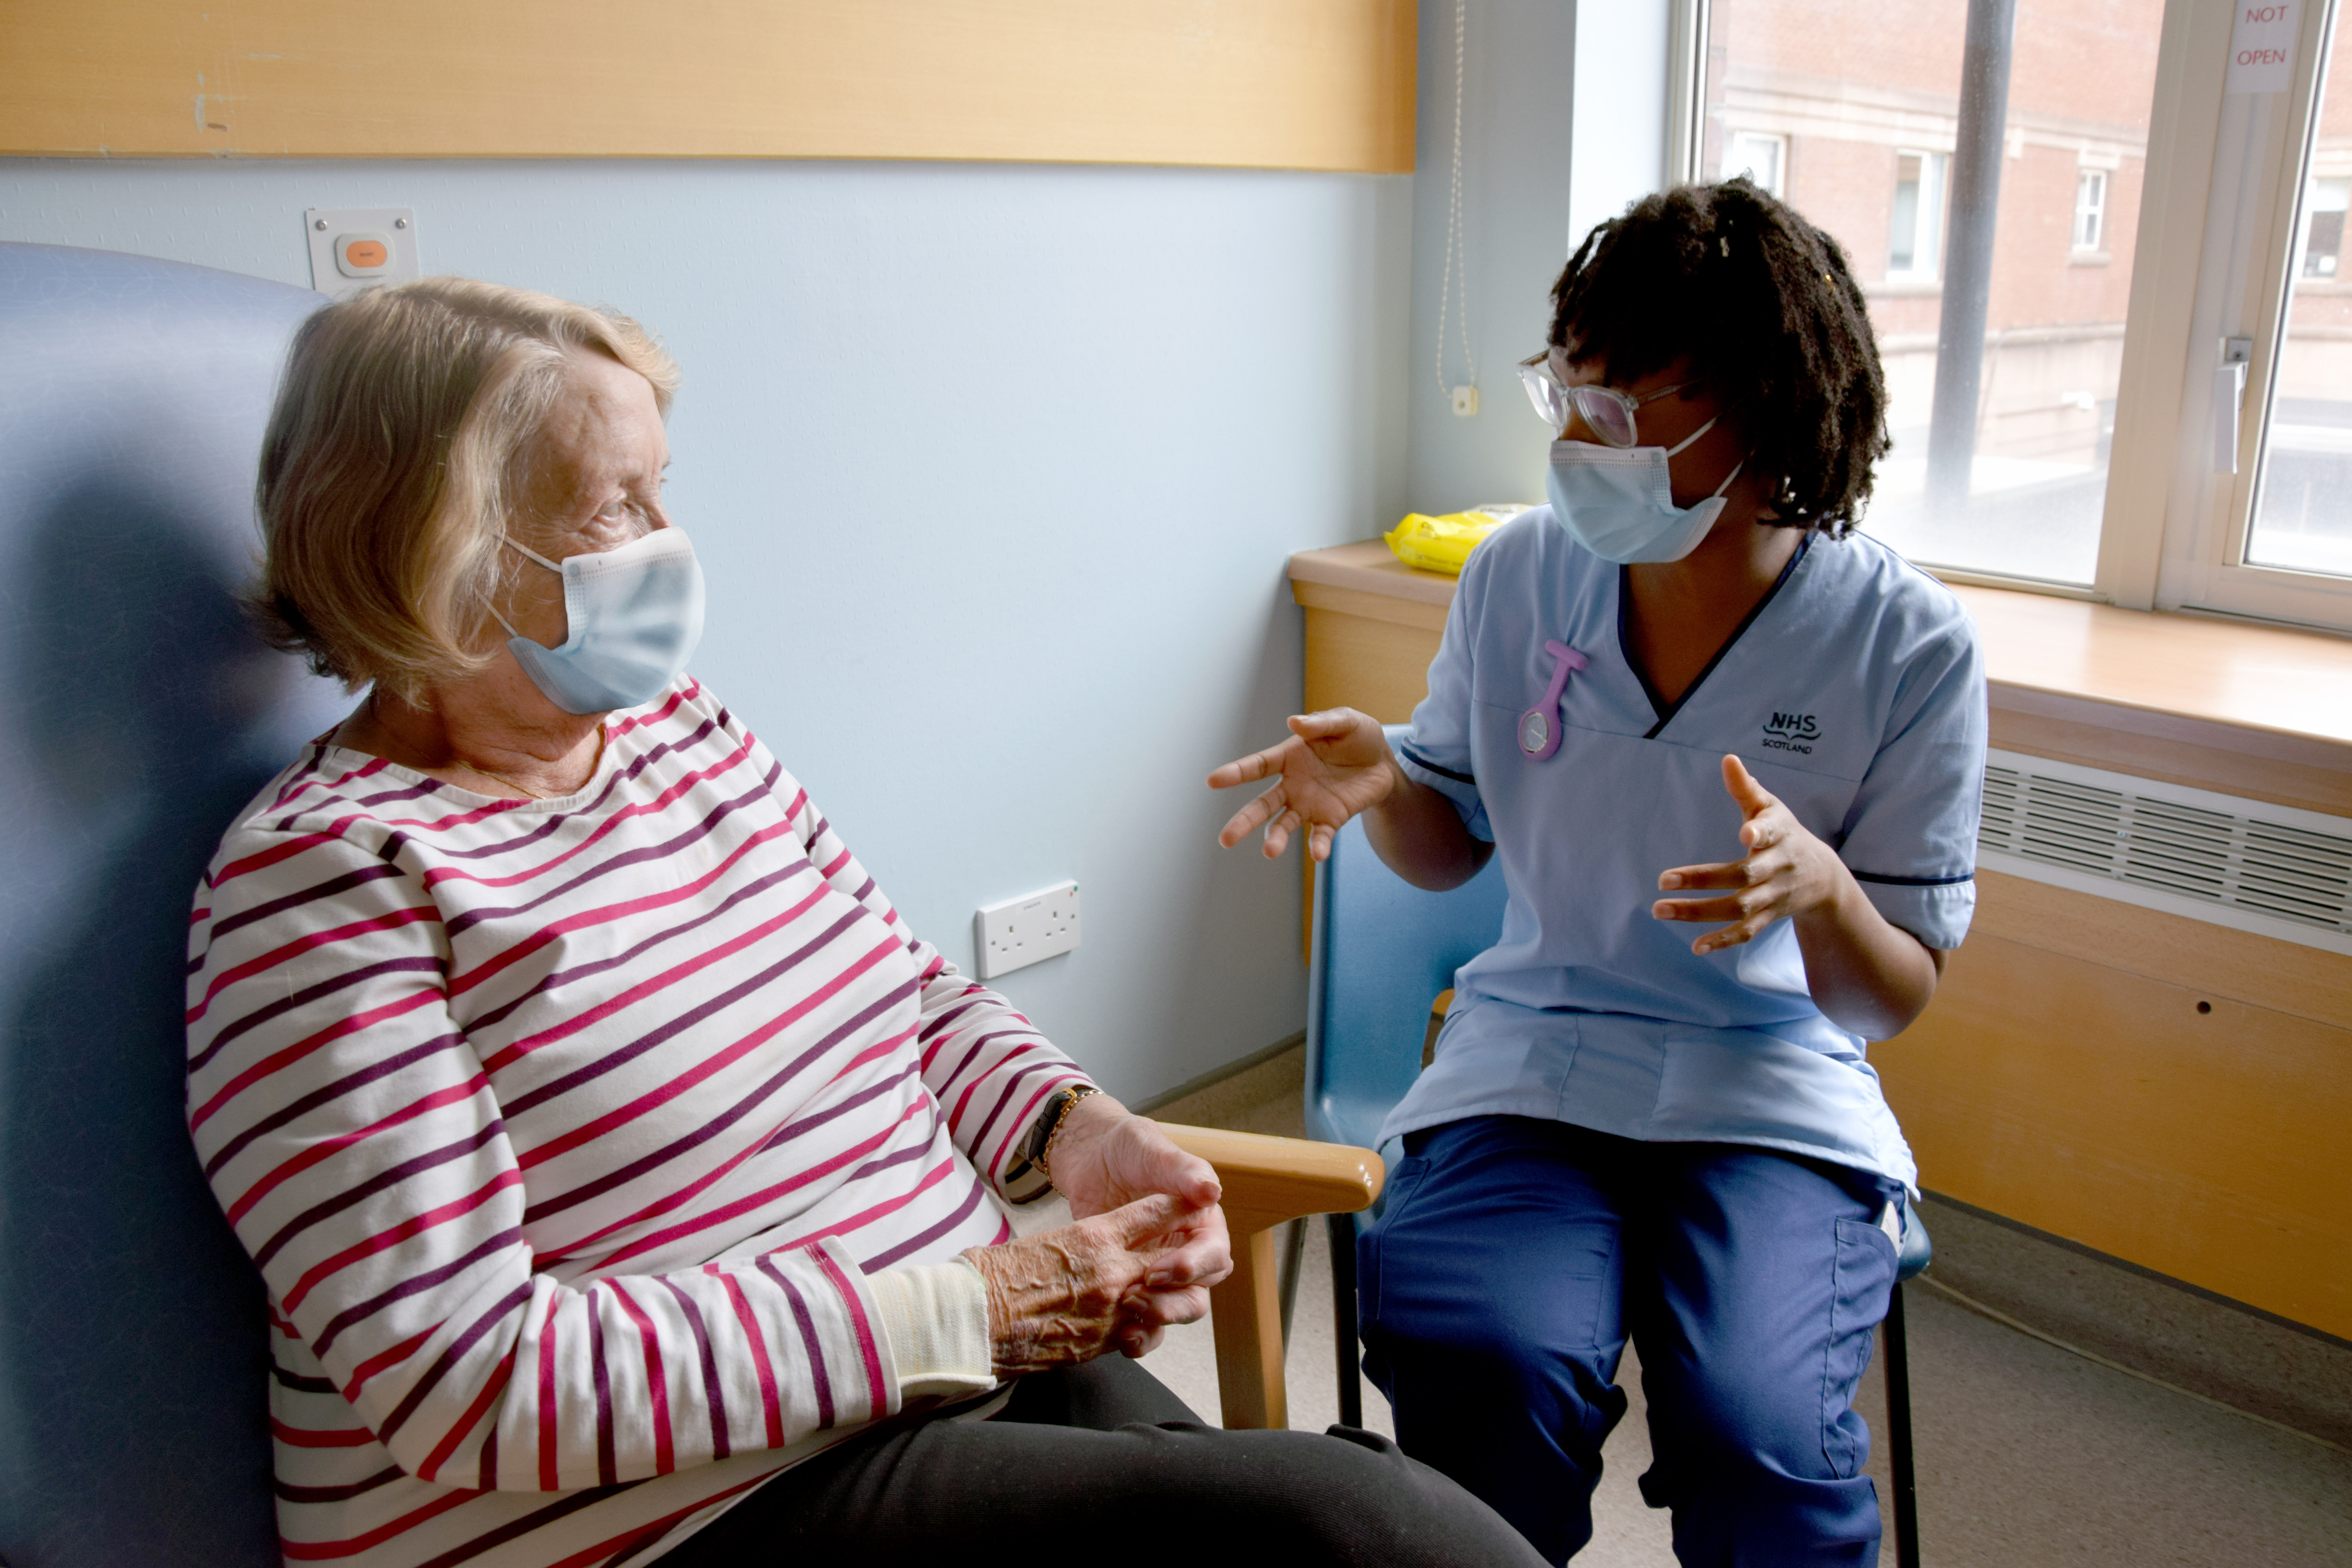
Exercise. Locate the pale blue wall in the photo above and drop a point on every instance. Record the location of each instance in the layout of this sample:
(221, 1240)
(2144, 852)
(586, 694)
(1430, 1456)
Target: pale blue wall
(946, 429)
(1517, 139)
(1621, 109)
(1563, 123)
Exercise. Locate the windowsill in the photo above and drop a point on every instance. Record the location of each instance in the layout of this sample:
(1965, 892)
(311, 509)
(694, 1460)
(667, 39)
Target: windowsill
(2251, 710)
(2089, 258)
(1902, 288)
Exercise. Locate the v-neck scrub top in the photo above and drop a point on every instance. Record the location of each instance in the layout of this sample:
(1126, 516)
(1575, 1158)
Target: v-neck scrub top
(1853, 692)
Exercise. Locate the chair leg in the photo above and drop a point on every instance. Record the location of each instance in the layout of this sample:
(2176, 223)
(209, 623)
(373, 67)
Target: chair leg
(1342, 1229)
(1899, 1436)
(1294, 1261)
(1247, 1308)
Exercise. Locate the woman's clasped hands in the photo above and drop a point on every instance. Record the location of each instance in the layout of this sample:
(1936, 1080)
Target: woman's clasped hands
(1149, 1242)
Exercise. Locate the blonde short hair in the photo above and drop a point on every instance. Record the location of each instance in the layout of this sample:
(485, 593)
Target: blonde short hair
(395, 459)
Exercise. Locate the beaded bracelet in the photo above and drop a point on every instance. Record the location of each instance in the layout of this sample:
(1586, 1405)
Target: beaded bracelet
(1069, 1099)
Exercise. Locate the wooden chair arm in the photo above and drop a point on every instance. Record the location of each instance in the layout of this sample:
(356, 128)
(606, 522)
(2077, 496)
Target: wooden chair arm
(1268, 1180)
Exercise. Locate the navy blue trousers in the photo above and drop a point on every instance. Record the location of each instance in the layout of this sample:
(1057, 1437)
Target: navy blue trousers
(1513, 1259)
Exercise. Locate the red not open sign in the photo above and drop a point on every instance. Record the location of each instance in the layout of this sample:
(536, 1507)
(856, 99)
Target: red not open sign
(2262, 46)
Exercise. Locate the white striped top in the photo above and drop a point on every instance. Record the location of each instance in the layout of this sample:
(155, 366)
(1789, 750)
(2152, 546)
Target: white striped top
(567, 1134)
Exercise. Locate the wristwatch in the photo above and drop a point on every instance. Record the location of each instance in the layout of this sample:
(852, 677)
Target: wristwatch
(1056, 1110)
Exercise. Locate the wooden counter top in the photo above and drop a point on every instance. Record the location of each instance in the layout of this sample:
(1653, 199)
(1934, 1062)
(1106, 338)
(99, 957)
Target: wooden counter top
(1369, 567)
(2262, 712)
(2250, 677)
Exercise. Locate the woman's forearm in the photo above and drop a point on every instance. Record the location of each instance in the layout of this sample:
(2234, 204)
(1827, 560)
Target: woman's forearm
(1866, 975)
(1420, 836)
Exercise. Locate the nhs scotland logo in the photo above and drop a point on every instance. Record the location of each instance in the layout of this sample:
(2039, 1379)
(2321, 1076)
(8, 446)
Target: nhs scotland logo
(1790, 732)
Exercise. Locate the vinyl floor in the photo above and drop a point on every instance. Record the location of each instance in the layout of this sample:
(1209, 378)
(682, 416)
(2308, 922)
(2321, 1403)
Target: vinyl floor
(2028, 1455)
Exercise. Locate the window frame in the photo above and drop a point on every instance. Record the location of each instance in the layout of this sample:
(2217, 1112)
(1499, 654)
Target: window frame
(1933, 200)
(2185, 549)
(1779, 141)
(2091, 178)
(2303, 236)
(2211, 258)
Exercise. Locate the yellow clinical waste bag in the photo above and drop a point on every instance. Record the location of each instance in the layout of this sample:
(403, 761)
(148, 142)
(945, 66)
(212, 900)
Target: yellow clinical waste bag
(1444, 543)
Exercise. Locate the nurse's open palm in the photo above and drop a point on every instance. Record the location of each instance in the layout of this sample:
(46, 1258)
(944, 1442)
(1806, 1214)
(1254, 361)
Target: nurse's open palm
(1334, 765)
(1786, 873)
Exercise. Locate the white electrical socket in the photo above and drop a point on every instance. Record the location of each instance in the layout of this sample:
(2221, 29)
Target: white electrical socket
(1019, 932)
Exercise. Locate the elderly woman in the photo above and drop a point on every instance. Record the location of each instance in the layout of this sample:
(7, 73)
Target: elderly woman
(628, 1181)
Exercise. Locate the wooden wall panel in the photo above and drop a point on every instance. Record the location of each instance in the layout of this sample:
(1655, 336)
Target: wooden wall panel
(2216, 960)
(1307, 84)
(2256, 764)
(1377, 668)
(2078, 1086)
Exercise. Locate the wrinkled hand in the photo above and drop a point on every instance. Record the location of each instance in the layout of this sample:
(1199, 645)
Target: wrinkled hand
(1335, 765)
(1066, 1296)
(1105, 1157)
(1786, 874)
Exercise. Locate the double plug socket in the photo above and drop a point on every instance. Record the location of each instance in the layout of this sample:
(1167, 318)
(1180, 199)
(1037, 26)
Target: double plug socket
(1020, 931)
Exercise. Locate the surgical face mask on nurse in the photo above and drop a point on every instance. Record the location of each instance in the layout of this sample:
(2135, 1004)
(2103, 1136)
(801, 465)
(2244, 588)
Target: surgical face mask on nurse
(1617, 500)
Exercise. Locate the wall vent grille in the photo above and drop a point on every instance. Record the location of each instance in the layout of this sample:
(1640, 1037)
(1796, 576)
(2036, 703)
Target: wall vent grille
(2165, 845)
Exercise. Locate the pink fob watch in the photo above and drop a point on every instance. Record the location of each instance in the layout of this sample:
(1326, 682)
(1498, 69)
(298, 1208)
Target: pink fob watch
(1539, 726)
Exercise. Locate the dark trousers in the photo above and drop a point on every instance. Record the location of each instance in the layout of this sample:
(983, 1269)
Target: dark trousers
(1512, 1259)
(1098, 1464)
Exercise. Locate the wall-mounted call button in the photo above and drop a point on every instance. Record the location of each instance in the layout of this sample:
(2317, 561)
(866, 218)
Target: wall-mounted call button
(363, 255)
(353, 248)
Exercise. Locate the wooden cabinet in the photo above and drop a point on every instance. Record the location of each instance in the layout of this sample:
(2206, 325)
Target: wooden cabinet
(2171, 1092)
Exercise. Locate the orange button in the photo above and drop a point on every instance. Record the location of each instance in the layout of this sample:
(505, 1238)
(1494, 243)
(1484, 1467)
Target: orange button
(366, 253)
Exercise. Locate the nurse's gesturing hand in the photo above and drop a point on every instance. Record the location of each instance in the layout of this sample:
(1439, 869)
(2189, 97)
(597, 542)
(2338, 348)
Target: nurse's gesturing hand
(1335, 765)
(1866, 974)
(1786, 873)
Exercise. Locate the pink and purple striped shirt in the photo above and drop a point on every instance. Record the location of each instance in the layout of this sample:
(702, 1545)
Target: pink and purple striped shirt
(567, 1135)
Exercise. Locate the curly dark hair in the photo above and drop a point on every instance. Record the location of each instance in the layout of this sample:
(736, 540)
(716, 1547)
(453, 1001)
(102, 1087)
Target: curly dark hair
(1766, 309)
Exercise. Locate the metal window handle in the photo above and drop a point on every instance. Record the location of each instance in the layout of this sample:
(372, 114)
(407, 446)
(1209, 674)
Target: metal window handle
(2230, 400)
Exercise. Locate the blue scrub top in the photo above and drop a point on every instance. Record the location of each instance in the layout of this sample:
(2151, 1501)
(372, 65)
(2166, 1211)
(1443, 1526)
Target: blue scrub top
(1853, 692)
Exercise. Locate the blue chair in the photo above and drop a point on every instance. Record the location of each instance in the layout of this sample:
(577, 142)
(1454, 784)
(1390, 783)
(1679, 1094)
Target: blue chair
(143, 712)
(1382, 951)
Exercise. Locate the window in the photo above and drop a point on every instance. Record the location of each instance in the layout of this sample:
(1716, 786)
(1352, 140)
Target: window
(2264, 527)
(2160, 412)
(2302, 514)
(2000, 461)
(2090, 208)
(1918, 216)
(2323, 226)
(1761, 157)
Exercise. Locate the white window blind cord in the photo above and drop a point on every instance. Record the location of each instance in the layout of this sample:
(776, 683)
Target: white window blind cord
(1457, 242)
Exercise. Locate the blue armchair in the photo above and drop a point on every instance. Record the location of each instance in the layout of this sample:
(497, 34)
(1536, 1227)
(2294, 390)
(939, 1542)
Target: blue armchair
(142, 712)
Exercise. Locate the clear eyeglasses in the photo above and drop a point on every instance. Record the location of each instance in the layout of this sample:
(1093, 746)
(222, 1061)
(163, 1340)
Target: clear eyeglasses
(1608, 413)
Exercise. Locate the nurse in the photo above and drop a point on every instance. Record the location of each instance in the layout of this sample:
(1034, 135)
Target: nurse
(1729, 752)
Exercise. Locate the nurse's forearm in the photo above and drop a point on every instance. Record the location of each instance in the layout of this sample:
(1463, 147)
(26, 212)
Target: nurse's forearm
(1420, 836)
(1868, 977)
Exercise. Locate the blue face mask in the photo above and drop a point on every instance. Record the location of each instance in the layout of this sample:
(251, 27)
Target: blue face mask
(635, 616)
(1619, 500)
